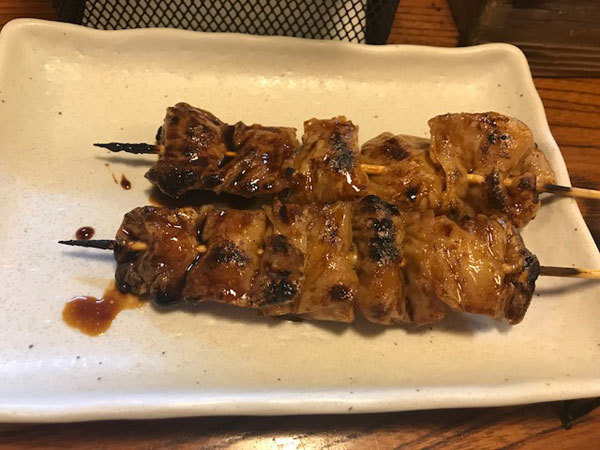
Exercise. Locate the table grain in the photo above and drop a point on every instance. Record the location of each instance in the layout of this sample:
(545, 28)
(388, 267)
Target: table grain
(573, 109)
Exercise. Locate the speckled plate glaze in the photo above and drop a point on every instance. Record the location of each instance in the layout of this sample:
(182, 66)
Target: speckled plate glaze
(64, 87)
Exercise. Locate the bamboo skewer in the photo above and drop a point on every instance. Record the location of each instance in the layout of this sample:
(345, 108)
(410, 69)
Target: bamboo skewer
(370, 169)
(571, 272)
(548, 271)
(565, 191)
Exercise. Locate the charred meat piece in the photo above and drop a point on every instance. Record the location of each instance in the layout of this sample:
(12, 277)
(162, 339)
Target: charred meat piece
(278, 285)
(322, 234)
(226, 271)
(497, 147)
(265, 156)
(411, 180)
(159, 271)
(328, 166)
(193, 149)
(379, 235)
(477, 265)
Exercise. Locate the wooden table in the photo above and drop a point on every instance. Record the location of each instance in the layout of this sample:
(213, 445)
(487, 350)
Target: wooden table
(573, 109)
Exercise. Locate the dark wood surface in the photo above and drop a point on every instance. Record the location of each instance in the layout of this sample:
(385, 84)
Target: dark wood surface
(559, 37)
(573, 109)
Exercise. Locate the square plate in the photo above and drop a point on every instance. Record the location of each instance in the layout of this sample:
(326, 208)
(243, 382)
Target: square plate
(64, 87)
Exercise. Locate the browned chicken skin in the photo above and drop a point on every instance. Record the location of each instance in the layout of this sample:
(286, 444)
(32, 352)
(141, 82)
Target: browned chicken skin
(419, 175)
(322, 234)
(194, 148)
(477, 265)
(265, 155)
(194, 157)
(328, 165)
(411, 180)
(298, 259)
(226, 271)
(160, 271)
(379, 236)
(497, 147)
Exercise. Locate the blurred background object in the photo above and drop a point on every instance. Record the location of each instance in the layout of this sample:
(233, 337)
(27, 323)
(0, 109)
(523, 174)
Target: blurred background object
(559, 37)
(365, 21)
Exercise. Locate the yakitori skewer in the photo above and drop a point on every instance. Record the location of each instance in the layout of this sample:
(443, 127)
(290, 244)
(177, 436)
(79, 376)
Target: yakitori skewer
(474, 163)
(321, 260)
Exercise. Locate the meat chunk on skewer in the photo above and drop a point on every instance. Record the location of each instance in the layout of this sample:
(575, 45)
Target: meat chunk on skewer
(226, 271)
(263, 165)
(322, 234)
(410, 180)
(379, 236)
(328, 165)
(171, 238)
(499, 148)
(477, 265)
(193, 149)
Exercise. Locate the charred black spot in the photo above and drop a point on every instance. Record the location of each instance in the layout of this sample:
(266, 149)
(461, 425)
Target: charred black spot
(411, 193)
(279, 243)
(289, 172)
(340, 293)
(504, 137)
(211, 181)
(527, 183)
(280, 291)
(173, 120)
(494, 190)
(532, 266)
(172, 180)
(382, 247)
(371, 204)
(492, 138)
(227, 253)
(159, 134)
(394, 150)
(343, 158)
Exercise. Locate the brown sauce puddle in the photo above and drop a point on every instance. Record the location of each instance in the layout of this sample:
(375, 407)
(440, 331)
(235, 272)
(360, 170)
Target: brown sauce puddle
(85, 233)
(93, 316)
(125, 183)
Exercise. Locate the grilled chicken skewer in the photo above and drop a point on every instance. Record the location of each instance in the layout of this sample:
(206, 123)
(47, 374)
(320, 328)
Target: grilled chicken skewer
(476, 163)
(322, 261)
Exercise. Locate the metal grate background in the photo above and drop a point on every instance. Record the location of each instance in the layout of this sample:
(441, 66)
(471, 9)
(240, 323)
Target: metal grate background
(366, 21)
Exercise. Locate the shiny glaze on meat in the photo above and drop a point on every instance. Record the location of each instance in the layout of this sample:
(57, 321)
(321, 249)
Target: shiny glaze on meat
(379, 236)
(328, 165)
(158, 272)
(323, 235)
(411, 180)
(477, 265)
(193, 150)
(498, 148)
(277, 288)
(265, 156)
(226, 271)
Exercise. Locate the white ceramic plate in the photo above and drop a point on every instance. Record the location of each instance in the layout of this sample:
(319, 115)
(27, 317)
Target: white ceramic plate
(64, 87)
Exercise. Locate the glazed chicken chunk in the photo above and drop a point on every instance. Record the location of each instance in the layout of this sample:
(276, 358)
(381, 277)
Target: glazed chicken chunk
(322, 234)
(193, 149)
(477, 265)
(500, 149)
(263, 165)
(328, 166)
(226, 270)
(160, 270)
(379, 236)
(410, 180)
